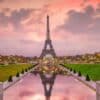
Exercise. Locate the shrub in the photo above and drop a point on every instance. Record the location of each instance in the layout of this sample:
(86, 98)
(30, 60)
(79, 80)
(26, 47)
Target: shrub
(74, 71)
(10, 78)
(70, 69)
(17, 75)
(79, 73)
(87, 78)
(22, 72)
(26, 70)
(29, 68)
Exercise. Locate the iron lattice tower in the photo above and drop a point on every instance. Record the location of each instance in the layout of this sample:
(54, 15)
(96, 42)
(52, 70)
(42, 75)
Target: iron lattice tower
(48, 42)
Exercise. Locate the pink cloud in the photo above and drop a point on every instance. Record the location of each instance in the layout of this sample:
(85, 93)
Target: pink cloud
(33, 28)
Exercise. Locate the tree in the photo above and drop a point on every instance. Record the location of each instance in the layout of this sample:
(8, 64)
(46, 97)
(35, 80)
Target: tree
(10, 78)
(87, 78)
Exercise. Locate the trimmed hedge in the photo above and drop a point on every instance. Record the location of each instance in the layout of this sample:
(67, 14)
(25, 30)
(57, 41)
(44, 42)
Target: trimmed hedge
(87, 78)
(10, 78)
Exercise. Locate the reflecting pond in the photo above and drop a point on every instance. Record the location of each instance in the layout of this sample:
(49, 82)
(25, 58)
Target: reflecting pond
(65, 88)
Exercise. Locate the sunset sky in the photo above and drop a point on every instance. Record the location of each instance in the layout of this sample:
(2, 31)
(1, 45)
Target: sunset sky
(74, 25)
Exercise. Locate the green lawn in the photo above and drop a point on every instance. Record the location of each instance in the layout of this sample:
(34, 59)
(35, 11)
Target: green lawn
(12, 69)
(93, 70)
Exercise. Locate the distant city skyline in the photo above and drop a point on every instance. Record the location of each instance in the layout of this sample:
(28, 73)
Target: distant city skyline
(74, 27)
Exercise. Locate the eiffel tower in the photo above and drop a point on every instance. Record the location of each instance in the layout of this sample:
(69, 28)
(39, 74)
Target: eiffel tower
(48, 42)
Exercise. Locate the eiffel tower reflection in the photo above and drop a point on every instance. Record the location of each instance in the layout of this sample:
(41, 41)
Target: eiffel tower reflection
(48, 83)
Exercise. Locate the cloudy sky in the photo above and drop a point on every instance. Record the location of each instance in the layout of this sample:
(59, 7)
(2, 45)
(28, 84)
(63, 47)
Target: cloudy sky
(74, 25)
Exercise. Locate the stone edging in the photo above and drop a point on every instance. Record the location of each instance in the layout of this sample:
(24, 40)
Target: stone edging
(7, 84)
(90, 84)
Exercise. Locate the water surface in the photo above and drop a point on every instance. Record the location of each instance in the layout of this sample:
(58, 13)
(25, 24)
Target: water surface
(65, 88)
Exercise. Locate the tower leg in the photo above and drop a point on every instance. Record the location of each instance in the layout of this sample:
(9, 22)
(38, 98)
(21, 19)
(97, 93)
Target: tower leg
(48, 98)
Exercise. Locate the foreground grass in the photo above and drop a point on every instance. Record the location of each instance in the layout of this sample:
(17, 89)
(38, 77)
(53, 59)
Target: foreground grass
(93, 70)
(11, 70)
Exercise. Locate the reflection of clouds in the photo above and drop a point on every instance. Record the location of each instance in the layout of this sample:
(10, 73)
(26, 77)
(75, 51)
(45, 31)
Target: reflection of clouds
(65, 88)
(66, 96)
(34, 97)
(26, 93)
